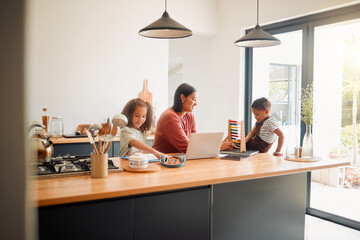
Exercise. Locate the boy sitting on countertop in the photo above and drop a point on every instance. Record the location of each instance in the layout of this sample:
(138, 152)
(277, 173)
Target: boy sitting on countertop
(264, 133)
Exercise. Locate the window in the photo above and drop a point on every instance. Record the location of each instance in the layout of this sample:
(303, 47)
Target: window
(323, 50)
(277, 76)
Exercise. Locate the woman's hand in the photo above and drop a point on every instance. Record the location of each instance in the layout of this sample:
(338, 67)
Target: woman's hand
(227, 145)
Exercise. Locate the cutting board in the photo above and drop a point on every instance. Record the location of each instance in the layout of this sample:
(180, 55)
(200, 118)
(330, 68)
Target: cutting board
(145, 94)
(152, 167)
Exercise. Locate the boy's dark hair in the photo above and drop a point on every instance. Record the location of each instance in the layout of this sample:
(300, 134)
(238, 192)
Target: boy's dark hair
(185, 89)
(261, 104)
(129, 109)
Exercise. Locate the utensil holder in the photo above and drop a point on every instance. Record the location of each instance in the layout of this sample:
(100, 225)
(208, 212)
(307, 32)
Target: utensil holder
(99, 165)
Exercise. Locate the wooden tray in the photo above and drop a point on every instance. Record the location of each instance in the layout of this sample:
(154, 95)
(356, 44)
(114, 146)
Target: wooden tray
(313, 159)
(152, 167)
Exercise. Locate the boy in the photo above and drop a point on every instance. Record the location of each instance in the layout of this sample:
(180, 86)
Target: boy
(263, 135)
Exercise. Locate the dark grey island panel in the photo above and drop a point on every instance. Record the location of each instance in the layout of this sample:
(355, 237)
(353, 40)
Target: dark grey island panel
(268, 208)
(176, 216)
(271, 208)
(110, 219)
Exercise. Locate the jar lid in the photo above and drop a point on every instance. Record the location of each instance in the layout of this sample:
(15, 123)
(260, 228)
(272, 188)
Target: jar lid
(56, 118)
(45, 109)
(137, 157)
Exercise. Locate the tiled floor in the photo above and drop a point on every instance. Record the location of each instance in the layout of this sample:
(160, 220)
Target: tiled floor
(318, 229)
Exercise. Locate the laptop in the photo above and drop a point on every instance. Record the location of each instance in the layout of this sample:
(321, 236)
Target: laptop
(204, 145)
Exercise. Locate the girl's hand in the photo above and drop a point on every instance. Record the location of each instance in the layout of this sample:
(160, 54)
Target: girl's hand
(158, 154)
(278, 154)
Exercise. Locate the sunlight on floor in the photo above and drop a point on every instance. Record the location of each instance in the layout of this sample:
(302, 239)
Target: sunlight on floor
(318, 229)
(338, 200)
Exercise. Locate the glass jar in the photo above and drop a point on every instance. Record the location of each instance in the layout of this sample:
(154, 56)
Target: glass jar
(57, 127)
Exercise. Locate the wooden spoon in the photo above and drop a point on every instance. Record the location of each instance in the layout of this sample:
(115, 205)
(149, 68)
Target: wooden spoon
(113, 134)
(104, 130)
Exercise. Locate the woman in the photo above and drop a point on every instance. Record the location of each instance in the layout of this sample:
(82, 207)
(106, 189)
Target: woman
(177, 123)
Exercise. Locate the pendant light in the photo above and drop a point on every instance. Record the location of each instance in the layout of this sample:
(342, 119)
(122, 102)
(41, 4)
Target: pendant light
(166, 28)
(257, 37)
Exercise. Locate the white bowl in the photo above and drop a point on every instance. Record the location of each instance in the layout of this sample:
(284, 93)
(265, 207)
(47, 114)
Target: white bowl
(138, 160)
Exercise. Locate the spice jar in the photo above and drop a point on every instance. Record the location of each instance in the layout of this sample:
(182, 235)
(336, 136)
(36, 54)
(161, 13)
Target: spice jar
(57, 127)
(45, 119)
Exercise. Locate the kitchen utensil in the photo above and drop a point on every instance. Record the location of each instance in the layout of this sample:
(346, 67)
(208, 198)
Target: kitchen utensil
(103, 131)
(119, 120)
(45, 149)
(145, 94)
(105, 139)
(113, 134)
(92, 142)
(99, 165)
(107, 127)
(94, 127)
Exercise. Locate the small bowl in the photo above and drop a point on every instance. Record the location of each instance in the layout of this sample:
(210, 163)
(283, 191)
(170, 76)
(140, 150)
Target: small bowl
(138, 160)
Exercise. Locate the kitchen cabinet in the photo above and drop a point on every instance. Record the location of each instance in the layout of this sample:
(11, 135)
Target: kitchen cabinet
(111, 219)
(81, 146)
(268, 208)
(175, 215)
(169, 215)
(76, 149)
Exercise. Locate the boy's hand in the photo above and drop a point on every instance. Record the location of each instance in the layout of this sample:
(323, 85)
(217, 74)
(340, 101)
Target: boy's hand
(278, 154)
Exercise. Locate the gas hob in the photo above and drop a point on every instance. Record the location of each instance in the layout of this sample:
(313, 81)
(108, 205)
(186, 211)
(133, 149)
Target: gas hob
(67, 166)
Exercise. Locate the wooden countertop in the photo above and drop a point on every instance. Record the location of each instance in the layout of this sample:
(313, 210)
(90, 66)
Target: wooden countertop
(63, 140)
(195, 173)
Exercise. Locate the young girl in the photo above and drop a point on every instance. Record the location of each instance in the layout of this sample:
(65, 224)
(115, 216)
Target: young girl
(133, 136)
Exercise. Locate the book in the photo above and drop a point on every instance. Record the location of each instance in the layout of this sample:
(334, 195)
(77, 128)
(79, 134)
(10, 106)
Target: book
(238, 153)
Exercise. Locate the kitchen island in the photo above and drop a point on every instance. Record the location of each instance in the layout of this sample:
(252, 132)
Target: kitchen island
(262, 197)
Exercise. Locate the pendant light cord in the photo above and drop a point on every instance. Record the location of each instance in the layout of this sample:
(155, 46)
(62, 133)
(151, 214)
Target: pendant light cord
(257, 13)
(165, 5)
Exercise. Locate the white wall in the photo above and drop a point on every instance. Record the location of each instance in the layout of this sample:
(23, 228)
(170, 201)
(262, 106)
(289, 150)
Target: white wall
(220, 82)
(86, 59)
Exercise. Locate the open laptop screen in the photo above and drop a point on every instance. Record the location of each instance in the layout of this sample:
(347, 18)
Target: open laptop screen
(204, 145)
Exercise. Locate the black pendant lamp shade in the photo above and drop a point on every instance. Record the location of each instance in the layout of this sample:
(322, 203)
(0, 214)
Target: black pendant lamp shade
(166, 28)
(257, 37)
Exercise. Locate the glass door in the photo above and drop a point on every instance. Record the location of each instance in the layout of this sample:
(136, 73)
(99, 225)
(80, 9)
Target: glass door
(336, 128)
(277, 76)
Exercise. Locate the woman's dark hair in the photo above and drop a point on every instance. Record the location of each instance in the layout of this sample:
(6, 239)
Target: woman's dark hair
(129, 109)
(185, 89)
(261, 104)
